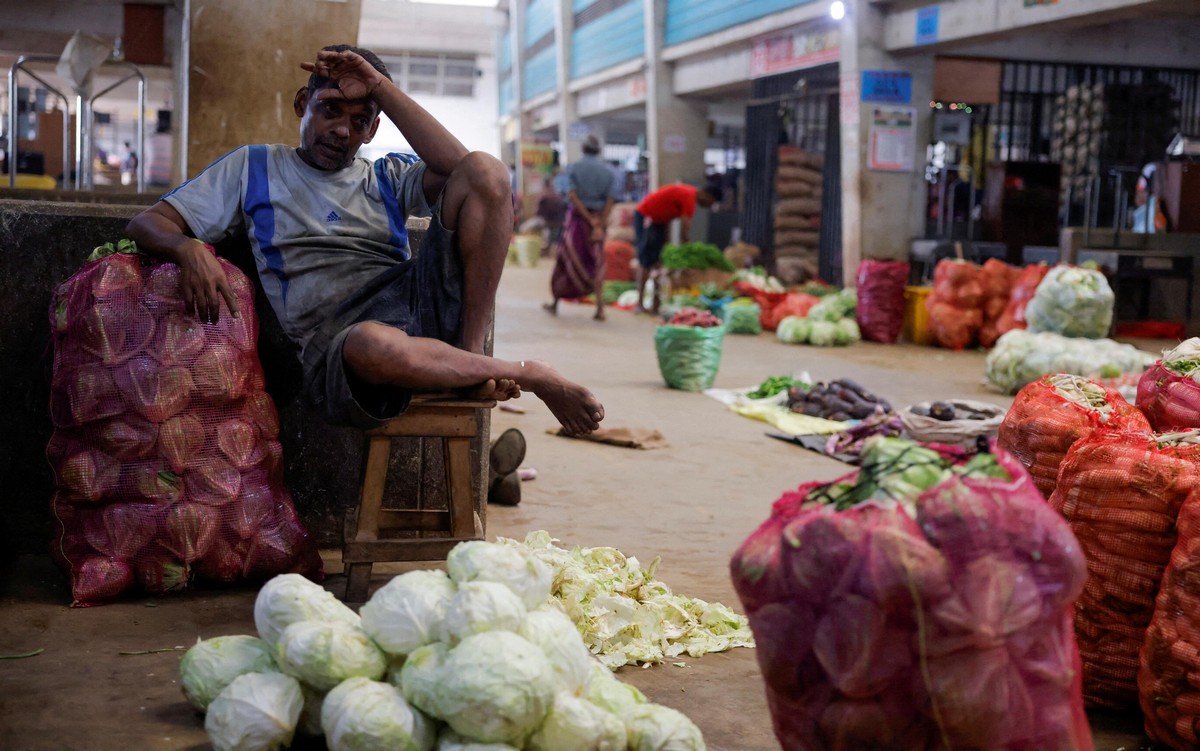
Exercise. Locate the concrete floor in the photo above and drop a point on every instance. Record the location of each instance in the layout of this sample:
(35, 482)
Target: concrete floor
(692, 504)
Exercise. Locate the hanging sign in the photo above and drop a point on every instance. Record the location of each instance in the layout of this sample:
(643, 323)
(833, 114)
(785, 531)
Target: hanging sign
(892, 144)
(928, 23)
(536, 155)
(793, 50)
(886, 87)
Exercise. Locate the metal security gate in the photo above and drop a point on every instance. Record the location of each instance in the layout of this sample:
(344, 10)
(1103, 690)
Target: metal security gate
(1101, 123)
(797, 109)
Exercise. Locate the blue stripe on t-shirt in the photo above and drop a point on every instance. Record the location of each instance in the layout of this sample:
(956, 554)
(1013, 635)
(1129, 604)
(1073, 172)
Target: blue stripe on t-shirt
(262, 215)
(391, 204)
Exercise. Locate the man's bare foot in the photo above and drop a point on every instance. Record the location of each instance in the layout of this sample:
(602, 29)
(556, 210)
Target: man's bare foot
(551, 307)
(501, 390)
(600, 316)
(576, 408)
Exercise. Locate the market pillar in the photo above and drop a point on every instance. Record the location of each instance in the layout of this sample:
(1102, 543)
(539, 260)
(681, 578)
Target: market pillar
(676, 129)
(568, 113)
(236, 98)
(885, 121)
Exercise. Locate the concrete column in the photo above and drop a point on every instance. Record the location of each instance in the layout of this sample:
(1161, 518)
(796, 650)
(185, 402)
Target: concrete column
(516, 19)
(568, 113)
(881, 211)
(676, 129)
(238, 97)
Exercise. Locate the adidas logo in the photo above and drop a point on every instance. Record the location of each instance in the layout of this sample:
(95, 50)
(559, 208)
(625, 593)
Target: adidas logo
(333, 217)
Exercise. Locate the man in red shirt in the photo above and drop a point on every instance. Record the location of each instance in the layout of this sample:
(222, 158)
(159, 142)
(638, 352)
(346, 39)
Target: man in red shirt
(652, 220)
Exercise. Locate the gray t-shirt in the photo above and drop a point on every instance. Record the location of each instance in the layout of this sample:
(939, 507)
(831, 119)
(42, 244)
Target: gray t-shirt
(592, 181)
(317, 236)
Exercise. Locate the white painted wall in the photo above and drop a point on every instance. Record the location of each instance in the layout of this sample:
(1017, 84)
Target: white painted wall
(979, 19)
(393, 26)
(1151, 41)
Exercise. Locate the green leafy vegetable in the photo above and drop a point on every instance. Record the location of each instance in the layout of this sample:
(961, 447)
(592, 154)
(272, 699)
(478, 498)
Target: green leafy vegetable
(773, 385)
(695, 256)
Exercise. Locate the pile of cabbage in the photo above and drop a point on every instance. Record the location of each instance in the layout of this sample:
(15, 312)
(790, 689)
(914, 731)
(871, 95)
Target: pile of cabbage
(829, 323)
(1022, 357)
(1072, 301)
(482, 659)
(625, 615)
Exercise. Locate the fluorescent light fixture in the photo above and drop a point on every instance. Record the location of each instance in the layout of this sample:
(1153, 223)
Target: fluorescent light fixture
(837, 10)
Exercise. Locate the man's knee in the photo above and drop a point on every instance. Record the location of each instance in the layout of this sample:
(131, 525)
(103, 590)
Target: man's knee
(484, 176)
(372, 350)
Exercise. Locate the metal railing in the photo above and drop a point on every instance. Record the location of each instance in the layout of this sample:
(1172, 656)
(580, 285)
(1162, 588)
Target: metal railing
(84, 146)
(13, 139)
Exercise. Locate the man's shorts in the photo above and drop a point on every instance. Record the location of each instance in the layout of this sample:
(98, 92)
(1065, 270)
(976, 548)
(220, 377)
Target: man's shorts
(422, 296)
(650, 241)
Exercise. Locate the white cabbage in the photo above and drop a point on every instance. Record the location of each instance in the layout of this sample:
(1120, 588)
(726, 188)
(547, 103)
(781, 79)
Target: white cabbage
(495, 687)
(574, 724)
(513, 567)
(611, 694)
(452, 741)
(1071, 301)
(555, 633)
(653, 727)
(323, 654)
(480, 606)
(290, 598)
(211, 664)
(793, 330)
(407, 612)
(1021, 357)
(365, 715)
(421, 675)
(255, 712)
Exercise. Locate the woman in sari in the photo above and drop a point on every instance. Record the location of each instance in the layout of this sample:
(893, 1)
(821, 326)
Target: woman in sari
(579, 260)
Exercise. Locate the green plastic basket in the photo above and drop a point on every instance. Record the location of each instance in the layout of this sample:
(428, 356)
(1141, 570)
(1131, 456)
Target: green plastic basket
(689, 356)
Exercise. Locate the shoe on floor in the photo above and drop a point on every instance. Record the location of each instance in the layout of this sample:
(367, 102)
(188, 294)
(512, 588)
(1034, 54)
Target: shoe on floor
(506, 491)
(506, 455)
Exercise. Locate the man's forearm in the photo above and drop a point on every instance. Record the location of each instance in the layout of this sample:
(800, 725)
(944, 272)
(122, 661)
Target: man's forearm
(158, 236)
(436, 146)
(580, 208)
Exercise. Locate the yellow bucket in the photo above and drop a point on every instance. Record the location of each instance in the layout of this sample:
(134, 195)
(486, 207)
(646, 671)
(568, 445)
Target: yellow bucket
(916, 316)
(526, 250)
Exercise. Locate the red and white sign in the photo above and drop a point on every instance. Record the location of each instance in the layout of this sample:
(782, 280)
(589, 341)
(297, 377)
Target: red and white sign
(793, 50)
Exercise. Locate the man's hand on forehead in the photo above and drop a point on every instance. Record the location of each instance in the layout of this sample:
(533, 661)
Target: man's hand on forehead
(353, 77)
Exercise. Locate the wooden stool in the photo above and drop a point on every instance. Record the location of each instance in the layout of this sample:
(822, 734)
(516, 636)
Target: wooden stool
(371, 530)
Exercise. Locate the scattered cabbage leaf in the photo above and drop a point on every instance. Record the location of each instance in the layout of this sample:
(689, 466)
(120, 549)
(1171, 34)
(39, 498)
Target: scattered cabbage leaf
(624, 614)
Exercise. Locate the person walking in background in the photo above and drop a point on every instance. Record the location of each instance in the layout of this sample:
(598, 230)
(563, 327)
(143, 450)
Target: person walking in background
(551, 209)
(652, 221)
(129, 164)
(579, 262)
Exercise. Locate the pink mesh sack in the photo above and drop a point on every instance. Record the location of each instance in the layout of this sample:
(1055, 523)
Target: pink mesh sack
(166, 453)
(880, 309)
(1169, 392)
(937, 621)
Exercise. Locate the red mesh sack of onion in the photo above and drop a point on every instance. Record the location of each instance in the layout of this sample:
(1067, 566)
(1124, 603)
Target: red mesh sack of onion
(937, 620)
(165, 448)
(1169, 391)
